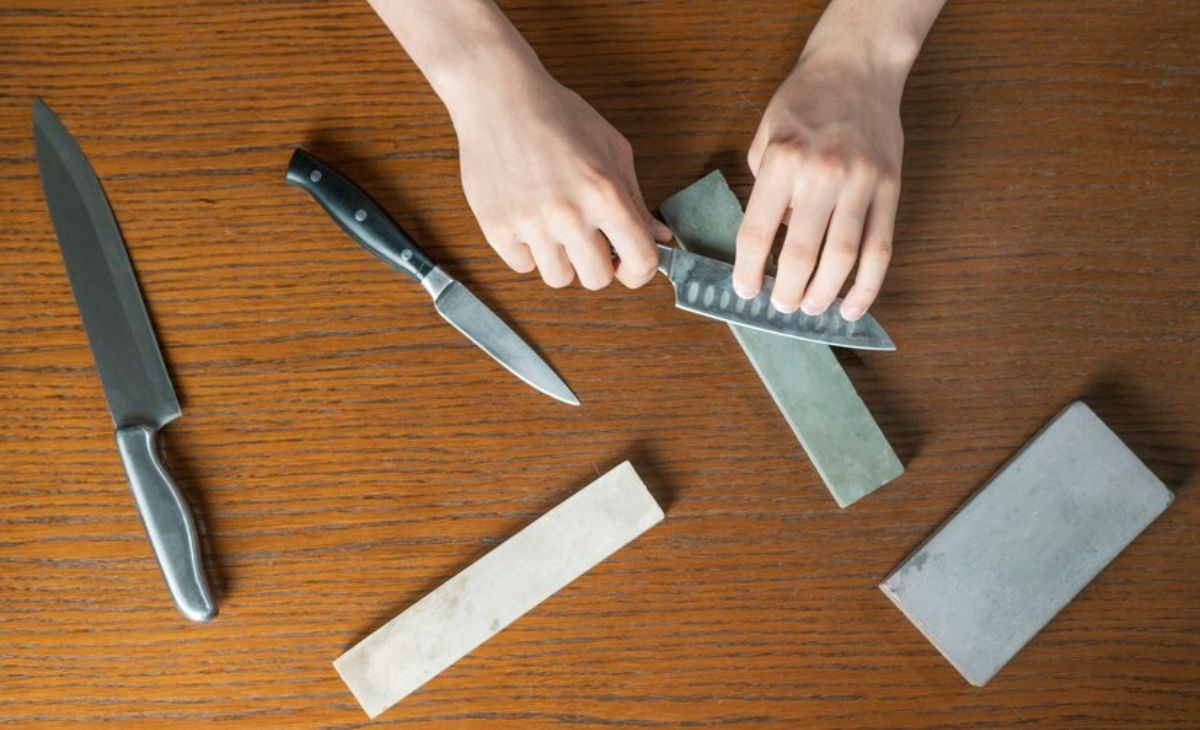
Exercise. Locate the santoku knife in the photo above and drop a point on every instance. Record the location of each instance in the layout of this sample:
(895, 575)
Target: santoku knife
(705, 286)
(136, 384)
(372, 228)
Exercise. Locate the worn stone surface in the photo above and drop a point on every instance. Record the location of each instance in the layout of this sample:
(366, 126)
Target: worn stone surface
(813, 393)
(1026, 543)
(491, 593)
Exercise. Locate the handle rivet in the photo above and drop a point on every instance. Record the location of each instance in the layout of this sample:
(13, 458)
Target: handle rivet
(360, 215)
(315, 176)
(406, 254)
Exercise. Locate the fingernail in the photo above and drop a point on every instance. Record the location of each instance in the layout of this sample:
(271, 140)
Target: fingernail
(782, 309)
(811, 308)
(742, 292)
(852, 312)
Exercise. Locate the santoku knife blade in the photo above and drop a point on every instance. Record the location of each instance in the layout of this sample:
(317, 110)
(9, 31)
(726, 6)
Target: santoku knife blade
(367, 223)
(136, 384)
(705, 286)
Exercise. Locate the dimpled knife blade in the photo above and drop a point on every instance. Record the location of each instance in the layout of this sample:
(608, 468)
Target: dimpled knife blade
(705, 286)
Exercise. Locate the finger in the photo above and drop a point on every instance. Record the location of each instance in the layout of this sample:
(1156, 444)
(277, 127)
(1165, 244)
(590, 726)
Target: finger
(771, 196)
(590, 254)
(627, 232)
(802, 243)
(876, 253)
(841, 247)
(553, 264)
(514, 253)
(757, 146)
(658, 230)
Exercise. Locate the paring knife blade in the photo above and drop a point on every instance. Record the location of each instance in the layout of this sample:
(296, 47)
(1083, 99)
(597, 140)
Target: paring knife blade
(705, 286)
(136, 384)
(367, 223)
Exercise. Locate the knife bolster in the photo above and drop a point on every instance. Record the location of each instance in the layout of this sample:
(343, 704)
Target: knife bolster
(436, 281)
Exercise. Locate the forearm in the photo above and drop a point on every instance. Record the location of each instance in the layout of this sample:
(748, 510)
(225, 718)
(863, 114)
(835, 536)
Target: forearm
(467, 49)
(883, 37)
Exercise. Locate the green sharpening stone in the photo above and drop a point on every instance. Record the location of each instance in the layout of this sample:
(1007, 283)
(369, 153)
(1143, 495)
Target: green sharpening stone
(806, 381)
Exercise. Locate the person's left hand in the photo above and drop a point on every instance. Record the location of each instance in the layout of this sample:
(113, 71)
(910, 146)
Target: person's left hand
(826, 160)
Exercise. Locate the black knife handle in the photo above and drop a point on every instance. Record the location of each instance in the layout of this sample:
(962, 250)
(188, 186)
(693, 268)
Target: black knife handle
(168, 522)
(358, 215)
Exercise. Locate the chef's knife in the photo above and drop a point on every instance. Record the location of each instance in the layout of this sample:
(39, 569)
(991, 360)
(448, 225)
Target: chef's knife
(372, 228)
(705, 286)
(136, 384)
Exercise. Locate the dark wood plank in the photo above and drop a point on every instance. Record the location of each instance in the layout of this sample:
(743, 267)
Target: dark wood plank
(347, 451)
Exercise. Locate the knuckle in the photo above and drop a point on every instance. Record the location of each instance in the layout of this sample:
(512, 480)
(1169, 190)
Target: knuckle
(559, 209)
(834, 164)
(604, 188)
(881, 250)
(754, 237)
(842, 247)
(796, 255)
(788, 152)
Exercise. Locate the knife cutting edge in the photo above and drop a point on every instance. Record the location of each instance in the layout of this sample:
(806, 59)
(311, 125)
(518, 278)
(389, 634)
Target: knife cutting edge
(136, 383)
(705, 286)
(367, 223)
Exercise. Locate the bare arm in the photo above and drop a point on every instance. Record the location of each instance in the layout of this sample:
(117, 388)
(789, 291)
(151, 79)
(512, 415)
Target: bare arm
(827, 156)
(551, 183)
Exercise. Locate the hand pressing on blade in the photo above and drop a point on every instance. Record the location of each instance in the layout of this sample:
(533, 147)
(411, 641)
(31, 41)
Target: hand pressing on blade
(826, 159)
(550, 181)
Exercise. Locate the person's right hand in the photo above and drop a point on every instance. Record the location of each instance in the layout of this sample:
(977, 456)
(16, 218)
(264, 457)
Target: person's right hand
(552, 185)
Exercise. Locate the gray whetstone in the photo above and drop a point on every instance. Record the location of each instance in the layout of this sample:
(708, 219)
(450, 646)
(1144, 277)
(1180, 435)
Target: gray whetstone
(491, 593)
(1026, 543)
(812, 391)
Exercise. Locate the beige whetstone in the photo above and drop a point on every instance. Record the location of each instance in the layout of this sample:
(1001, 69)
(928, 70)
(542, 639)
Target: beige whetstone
(497, 589)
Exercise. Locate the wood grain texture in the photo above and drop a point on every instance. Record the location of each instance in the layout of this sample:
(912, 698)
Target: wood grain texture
(347, 451)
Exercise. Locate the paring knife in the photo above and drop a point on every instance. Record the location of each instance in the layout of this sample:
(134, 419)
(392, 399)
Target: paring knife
(136, 384)
(374, 230)
(705, 286)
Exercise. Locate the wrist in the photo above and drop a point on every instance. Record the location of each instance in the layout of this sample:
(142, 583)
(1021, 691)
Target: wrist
(880, 40)
(484, 74)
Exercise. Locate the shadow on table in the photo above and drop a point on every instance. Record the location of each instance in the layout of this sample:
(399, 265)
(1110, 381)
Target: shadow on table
(1124, 407)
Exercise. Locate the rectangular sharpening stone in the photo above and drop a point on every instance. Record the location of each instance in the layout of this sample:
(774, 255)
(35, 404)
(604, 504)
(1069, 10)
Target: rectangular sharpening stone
(1026, 543)
(809, 386)
(497, 589)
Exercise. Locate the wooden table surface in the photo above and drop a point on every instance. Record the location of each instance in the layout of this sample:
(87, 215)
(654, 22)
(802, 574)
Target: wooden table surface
(346, 451)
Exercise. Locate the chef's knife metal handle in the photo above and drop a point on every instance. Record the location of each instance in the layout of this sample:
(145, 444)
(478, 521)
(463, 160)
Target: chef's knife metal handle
(168, 522)
(358, 215)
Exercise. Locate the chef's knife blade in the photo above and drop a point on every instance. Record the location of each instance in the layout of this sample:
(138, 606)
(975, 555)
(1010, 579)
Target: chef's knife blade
(136, 384)
(705, 286)
(367, 223)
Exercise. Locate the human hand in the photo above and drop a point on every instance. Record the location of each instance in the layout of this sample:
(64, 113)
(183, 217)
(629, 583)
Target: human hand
(826, 159)
(552, 184)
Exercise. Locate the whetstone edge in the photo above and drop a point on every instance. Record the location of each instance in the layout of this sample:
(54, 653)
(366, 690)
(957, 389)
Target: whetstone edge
(807, 383)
